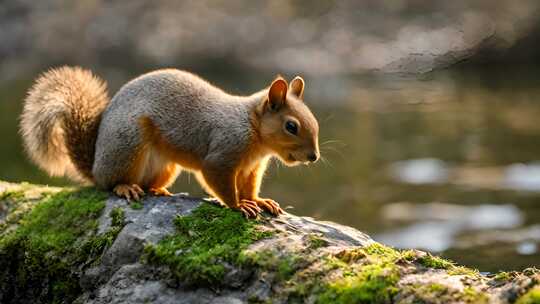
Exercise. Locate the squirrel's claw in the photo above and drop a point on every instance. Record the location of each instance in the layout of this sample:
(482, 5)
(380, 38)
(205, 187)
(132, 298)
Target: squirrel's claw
(160, 192)
(129, 192)
(249, 208)
(270, 205)
(137, 192)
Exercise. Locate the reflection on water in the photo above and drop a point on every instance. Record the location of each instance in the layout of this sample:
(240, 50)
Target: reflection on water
(518, 177)
(420, 171)
(452, 139)
(436, 226)
(526, 248)
(525, 238)
(523, 177)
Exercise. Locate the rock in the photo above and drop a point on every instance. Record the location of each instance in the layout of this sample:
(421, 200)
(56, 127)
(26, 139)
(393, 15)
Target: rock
(184, 250)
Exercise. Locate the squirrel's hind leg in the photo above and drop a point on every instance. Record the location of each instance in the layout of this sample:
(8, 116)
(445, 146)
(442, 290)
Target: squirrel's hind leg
(164, 179)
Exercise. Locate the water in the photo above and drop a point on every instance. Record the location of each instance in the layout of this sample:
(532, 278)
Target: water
(449, 163)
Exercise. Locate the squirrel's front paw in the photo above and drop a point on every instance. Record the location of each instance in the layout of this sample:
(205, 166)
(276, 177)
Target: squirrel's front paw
(270, 205)
(129, 192)
(249, 208)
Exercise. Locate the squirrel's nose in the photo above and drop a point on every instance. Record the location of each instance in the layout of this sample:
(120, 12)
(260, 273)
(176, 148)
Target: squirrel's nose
(312, 157)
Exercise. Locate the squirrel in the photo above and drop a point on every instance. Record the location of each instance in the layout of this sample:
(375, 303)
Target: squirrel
(162, 122)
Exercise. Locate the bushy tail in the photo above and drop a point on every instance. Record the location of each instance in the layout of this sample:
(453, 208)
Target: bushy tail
(60, 121)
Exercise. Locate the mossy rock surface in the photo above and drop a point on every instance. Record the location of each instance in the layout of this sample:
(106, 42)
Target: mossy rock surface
(83, 246)
(47, 237)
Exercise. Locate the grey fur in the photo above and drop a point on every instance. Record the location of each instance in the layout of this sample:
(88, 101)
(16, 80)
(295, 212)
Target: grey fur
(192, 115)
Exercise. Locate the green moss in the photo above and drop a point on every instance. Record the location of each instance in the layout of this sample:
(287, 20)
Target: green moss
(372, 281)
(315, 242)
(369, 275)
(96, 244)
(461, 270)
(306, 282)
(9, 209)
(439, 293)
(380, 250)
(409, 255)
(471, 295)
(341, 260)
(287, 266)
(375, 253)
(436, 262)
(362, 275)
(54, 238)
(205, 241)
(378, 253)
(375, 283)
(10, 199)
(437, 288)
(284, 266)
(531, 271)
(59, 220)
(255, 300)
(348, 256)
(503, 276)
(531, 297)
(301, 290)
(117, 216)
(429, 293)
(12, 195)
(137, 205)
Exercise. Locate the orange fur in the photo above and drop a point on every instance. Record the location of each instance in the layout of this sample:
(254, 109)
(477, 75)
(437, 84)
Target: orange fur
(167, 176)
(253, 164)
(153, 135)
(243, 183)
(222, 184)
(250, 182)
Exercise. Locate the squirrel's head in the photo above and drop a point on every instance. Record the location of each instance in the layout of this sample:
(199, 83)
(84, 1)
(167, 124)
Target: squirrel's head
(287, 126)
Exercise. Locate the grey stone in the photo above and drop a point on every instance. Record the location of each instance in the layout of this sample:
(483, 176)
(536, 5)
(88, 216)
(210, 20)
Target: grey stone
(300, 250)
(121, 278)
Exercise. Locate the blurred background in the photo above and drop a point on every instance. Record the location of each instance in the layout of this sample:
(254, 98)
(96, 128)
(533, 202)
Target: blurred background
(429, 109)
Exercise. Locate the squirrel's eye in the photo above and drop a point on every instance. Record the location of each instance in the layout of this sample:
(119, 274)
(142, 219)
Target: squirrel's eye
(291, 127)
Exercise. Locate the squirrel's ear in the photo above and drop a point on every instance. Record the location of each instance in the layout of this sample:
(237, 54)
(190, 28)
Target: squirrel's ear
(296, 87)
(277, 94)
